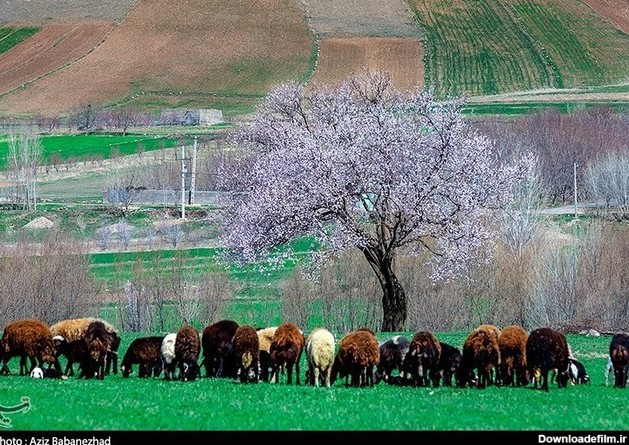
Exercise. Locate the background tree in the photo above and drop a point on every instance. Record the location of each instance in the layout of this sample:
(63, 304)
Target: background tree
(87, 117)
(366, 166)
(25, 154)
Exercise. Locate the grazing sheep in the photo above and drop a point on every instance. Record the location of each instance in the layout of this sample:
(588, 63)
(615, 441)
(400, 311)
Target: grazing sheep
(481, 355)
(187, 350)
(46, 373)
(146, 352)
(449, 362)
(168, 356)
(392, 353)
(286, 351)
(547, 349)
(421, 362)
(512, 344)
(357, 356)
(74, 351)
(577, 372)
(619, 355)
(28, 339)
(100, 340)
(320, 351)
(216, 343)
(265, 335)
(246, 354)
(75, 328)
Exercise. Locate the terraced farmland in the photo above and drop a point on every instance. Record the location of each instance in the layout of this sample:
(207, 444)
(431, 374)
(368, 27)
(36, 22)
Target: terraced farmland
(483, 47)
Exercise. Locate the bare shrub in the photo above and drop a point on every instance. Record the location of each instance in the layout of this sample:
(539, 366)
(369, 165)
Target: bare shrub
(137, 314)
(559, 140)
(607, 180)
(297, 297)
(215, 293)
(50, 281)
(349, 293)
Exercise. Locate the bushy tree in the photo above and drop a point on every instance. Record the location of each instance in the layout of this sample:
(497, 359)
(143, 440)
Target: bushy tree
(365, 166)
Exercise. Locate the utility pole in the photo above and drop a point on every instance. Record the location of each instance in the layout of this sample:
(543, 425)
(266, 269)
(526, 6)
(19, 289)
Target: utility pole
(194, 172)
(183, 182)
(576, 215)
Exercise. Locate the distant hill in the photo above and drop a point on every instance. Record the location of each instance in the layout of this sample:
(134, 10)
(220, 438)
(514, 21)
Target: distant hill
(155, 54)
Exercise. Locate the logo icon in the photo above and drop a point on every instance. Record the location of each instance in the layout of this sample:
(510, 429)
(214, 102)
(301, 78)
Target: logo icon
(5, 422)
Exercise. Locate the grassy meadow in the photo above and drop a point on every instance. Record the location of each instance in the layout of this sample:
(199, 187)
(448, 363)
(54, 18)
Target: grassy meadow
(485, 47)
(210, 404)
(9, 36)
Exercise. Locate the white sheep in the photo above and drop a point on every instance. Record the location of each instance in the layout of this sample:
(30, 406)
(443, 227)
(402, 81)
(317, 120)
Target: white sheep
(320, 351)
(168, 356)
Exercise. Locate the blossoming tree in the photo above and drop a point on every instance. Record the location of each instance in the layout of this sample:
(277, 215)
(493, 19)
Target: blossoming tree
(367, 166)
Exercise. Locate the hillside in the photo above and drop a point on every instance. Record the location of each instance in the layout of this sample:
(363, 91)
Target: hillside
(154, 53)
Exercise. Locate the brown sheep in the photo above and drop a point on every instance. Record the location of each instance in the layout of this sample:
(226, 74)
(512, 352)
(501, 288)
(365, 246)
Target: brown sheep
(246, 354)
(216, 344)
(187, 350)
(619, 357)
(358, 354)
(29, 339)
(421, 362)
(100, 342)
(75, 328)
(265, 336)
(481, 354)
(286, 350)
(146, 352)
(512, 344)
(547, 350)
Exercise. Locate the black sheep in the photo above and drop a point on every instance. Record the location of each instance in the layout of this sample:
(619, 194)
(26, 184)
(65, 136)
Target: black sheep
(619, 355)
(392, 353)
(216, 342)
(449, 362)
(422, 359)
(547, 350)
(577, 373)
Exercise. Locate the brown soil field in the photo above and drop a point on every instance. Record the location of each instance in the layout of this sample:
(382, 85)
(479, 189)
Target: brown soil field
(616, 11)
(179, 48)
(42, 12)
(200, 53)
(341, 57)
(54, 47)
(364, 18)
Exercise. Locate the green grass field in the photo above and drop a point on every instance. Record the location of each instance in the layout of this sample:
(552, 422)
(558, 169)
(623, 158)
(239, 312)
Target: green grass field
(483, 47)
(209, 404)
(9, 37)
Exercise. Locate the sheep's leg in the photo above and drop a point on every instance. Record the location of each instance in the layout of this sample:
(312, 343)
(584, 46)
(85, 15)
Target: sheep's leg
(23, 368)
(315, 373)
(289, 374)
(34, 364)
(297, 373)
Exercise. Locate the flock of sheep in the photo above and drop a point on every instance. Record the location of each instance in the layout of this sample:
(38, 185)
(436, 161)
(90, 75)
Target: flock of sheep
(490, 356)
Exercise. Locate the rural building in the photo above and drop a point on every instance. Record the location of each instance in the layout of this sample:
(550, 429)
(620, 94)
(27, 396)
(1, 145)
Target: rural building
(190, 116)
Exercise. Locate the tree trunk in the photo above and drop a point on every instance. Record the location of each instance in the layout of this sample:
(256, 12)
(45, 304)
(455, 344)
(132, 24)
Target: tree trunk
(394, 310)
